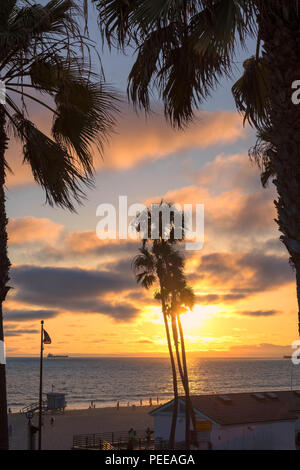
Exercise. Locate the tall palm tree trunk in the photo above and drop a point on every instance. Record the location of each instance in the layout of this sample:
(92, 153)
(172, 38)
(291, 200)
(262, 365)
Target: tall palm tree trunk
(174, 375)
(190, 415)
(184, 381)
(4, 278)
(280, 33)
(176, 344)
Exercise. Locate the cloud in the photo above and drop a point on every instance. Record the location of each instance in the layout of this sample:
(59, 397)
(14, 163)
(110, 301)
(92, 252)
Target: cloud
(232, 213)
(20, 332)
(154, 138)
(259, 313)
(242, 214)
(145, 341)
(68, 281)
(137, 140)
(15, 315)
(75, 290)
(230, 171)
(268, 271)
(208, 299)
(32, 230)
(85, 244)
(142, 296)
(274, 245)
(260, 350)
(232, 277)
(50, 242)
(236, 207)
(249, 271)
(240, 275)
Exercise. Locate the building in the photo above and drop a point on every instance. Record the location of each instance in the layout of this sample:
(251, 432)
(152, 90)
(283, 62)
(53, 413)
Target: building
(56, 401)
(237, 421)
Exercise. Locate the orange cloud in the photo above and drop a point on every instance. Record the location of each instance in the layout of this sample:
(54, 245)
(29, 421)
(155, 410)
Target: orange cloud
(88, 242)
(227, 172)
(223, 277)
(237, 209)
(32, 230)
(88, 247)
(138, 140)
(232, 213)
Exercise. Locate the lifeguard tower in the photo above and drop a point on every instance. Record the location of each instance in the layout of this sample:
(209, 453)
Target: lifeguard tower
(56, 402)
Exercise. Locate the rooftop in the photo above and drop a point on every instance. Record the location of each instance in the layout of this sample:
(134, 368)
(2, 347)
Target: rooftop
(246, 407)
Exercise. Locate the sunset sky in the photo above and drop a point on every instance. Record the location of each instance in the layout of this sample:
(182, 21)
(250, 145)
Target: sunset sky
(84, 288)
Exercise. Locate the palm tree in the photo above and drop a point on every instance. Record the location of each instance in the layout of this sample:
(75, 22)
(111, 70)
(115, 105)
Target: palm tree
(160, 262)
(42, 60)
(185, 47)
(183, 299)
(150, 267)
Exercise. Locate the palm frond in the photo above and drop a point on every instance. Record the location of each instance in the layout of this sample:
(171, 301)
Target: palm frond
(6, 10)
(43, 50)
(184, 47)
(147, 64)
(187, 297)
(251, 92)
(263, 154)
(25, 24)
(85, 117)
(144, 261)
(37, 19)
(145, 279)
(52, 166)
(113, 19)
(185, 84)
(218, 26)
(147, 14)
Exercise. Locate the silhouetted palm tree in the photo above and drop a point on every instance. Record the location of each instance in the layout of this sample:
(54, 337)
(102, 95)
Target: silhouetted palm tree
(42, 60)
(160, 262)
(151, 266)
(183, 299)
(186, 47)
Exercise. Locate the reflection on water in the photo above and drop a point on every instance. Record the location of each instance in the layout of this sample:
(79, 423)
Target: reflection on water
(107, 380)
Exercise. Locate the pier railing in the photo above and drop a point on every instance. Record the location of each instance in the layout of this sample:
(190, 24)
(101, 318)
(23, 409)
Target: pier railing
(111, 440)
(34, 407)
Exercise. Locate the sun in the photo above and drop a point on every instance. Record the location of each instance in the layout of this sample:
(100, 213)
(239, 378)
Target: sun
(194, 320)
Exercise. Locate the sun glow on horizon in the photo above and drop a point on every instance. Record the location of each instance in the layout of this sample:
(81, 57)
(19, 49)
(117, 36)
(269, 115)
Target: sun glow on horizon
(197, 317)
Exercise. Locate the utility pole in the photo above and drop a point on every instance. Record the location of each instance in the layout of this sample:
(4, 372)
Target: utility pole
(41, 387)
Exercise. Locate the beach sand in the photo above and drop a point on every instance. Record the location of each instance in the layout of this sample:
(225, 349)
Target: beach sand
(59, 436)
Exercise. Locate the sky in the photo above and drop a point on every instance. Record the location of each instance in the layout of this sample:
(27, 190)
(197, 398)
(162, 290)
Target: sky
(84, 288)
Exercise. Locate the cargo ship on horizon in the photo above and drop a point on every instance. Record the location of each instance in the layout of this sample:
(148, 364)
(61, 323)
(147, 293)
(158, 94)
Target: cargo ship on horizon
(56, 356)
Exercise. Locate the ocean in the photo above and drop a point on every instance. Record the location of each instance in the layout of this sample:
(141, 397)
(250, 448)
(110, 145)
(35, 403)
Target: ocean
(129, 380)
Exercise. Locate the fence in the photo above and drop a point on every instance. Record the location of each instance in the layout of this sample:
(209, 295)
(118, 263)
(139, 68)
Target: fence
(112, 440)
(34, 407)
